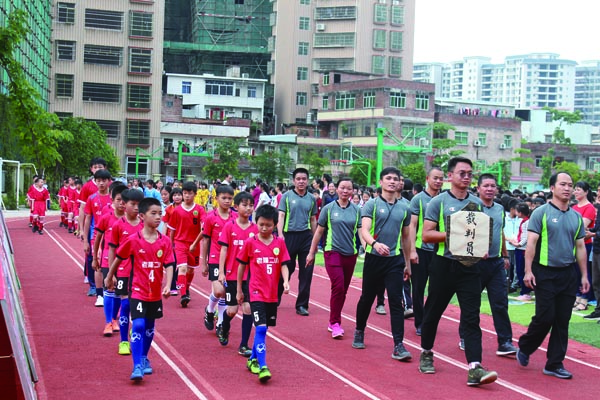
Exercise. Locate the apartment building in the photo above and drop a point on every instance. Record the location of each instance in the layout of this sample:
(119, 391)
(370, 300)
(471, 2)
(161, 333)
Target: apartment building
(107, 68)
(587, 91)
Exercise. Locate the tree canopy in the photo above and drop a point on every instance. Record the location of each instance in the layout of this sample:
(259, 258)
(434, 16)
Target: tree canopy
(272, 166)
(228, 161)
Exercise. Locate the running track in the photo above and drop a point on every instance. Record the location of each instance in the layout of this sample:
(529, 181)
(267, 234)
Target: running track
(74, 360)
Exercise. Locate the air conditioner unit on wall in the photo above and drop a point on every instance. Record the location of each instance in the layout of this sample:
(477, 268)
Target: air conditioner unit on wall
(477, 143)
(320, 27)
(502, 146)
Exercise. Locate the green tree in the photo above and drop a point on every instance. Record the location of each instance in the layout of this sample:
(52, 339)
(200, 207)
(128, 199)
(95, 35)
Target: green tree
(415, 172)
(316, 163)
(569, 167)
(358, 173)
(229, 156)
(592, 178)
(567, 117)
(272, 166)
(502, 168)
(546, 164)
(523, 157)
(442, 151)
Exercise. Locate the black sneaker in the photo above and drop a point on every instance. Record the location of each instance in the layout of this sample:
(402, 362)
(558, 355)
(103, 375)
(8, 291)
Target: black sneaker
(34, 229)
(594, 315)
(244, 351)
(359, 339)
(461, 344)
(479, 376)
(209, 319)
(400, 353)
(522, 358)
(185, 299)
(223, 337)
(506, 349)
(426, 363)
(558, 372)
(219, 330)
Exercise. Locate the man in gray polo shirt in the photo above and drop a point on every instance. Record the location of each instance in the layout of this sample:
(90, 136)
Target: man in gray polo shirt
(555, 244)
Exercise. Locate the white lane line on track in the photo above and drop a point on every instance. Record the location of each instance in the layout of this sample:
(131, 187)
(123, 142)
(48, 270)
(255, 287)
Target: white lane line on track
(193, 388)
(327, 369)
(491, 332)
(456, 363)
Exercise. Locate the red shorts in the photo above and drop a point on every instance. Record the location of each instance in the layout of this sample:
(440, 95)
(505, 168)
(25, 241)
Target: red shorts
(71, 206)
(39, 208)
(184, 256)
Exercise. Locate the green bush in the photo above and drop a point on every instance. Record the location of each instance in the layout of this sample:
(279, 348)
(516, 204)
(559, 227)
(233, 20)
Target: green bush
(9, 202)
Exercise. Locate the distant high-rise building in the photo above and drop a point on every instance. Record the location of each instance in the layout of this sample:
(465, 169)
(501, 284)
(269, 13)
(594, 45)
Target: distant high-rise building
(107, 68)
(34, 52)
(587, 91)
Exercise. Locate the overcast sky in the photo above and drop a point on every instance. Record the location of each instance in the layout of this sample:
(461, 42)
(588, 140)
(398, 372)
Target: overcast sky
(451, 30)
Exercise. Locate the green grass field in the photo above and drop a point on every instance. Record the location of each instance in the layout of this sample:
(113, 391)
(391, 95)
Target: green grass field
(581, 330)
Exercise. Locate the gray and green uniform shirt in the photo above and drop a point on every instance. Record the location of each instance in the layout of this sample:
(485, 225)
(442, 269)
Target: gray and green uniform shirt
(341, 225)
(387, 223)
(497, 214)
(418, 205)
(439, 208)
(559, 229)
(298, 210)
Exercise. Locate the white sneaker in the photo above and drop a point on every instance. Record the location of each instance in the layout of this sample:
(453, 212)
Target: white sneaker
(85, 280)
(99, 301)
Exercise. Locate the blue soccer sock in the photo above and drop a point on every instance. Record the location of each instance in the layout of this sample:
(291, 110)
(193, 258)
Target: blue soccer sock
(246, 329)
(260, 347)
(212, 303)
(124, 320)
(116, 306)
(109, 299)
(138, 332)
(222, 308)
(148, 336)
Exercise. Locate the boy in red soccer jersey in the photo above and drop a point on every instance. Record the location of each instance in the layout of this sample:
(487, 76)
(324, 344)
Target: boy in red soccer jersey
(103, 230)
(39, 196)
(63, 202)
(233, 236)
(210, 251)
(185, 224)
(73, 204)
(266, 257)
(122, 229)
(30, 200)
(150, 252)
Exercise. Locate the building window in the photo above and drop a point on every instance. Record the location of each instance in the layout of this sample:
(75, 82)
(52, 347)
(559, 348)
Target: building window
(103, 55)
(482, 138)
(305, 2)
(222, 88)
(112, 128)
(342, 39)
(246, 114)
(140, 24)
(345, 101)
(325, 104)
(186, 87)
(538, 161)
(303, 48)
(301, 98)
(395, 41)
(326, 79)
(461, 138)
(397, 15)
(140, 60)
(103, 19)
(324, 13)
(304, 23)
(380, 15)
(369, 99)
(422, 102)
(65, 13)
(378, 65)
(138, 131)
(65, 50)
(302, 74)
(64, 85)
(395, 66)
(138, 96)
(379, 37)
(64, 115)
(137, 167)
(252, 91)
(101, 92)
(507, 141)
(397, 100)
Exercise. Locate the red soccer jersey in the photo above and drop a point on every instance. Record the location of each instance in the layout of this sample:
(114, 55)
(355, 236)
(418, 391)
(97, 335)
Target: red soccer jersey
(264, 262)
(148, 262)
(63, 195)
(73, 194)
(234, 237)
(121, 231)
(38, 199)
(88, 189)
(105, 226)
(96, 205)
(187, 222)
(213, 225)
(168, 212)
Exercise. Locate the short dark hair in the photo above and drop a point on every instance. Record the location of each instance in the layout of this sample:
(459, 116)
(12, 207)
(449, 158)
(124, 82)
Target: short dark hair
(132, 195)
(174, 191)
(224, 189)
(267, 211)
(554, 177)
(299, 171)
(523, 208)
(390, 170)
(146, 203)
(189, 187)
(102, 174)
(114, 185)
(98, 160)
(455, 160)
(117, 190)
(243, 197)
(485, 176)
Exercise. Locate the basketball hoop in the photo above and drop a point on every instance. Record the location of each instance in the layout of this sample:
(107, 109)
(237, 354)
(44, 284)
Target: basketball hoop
(336, 166)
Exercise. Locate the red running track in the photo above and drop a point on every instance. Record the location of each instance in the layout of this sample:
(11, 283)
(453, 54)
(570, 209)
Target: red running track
(75, 361)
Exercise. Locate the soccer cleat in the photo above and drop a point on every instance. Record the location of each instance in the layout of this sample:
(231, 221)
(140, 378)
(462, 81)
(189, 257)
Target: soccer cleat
(218, 330)
(506, 349)
(400, 353)
(99, 301)
(76, 232)
(479, 376)
(380, 309)
(108, 330)
(115, 325)
(91, 292)
(41, 231)
(359, 339)
(336, 331)
(426, 363)
(522, 358)
(185, 299)
(558, 372)
(223, 338)
(252, 365)
(146, 366)
(264, 374)
(124, 348)
(244, 351)
(34, 229)
(209, 319)
(70, 230)
(137, 374)
(30, 225)
(461, 344)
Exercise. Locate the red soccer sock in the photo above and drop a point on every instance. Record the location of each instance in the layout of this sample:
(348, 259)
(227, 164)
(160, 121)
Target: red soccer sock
(181, 284)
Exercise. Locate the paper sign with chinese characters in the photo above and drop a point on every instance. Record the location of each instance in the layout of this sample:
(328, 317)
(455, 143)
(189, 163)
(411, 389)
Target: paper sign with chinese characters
(469, 234)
